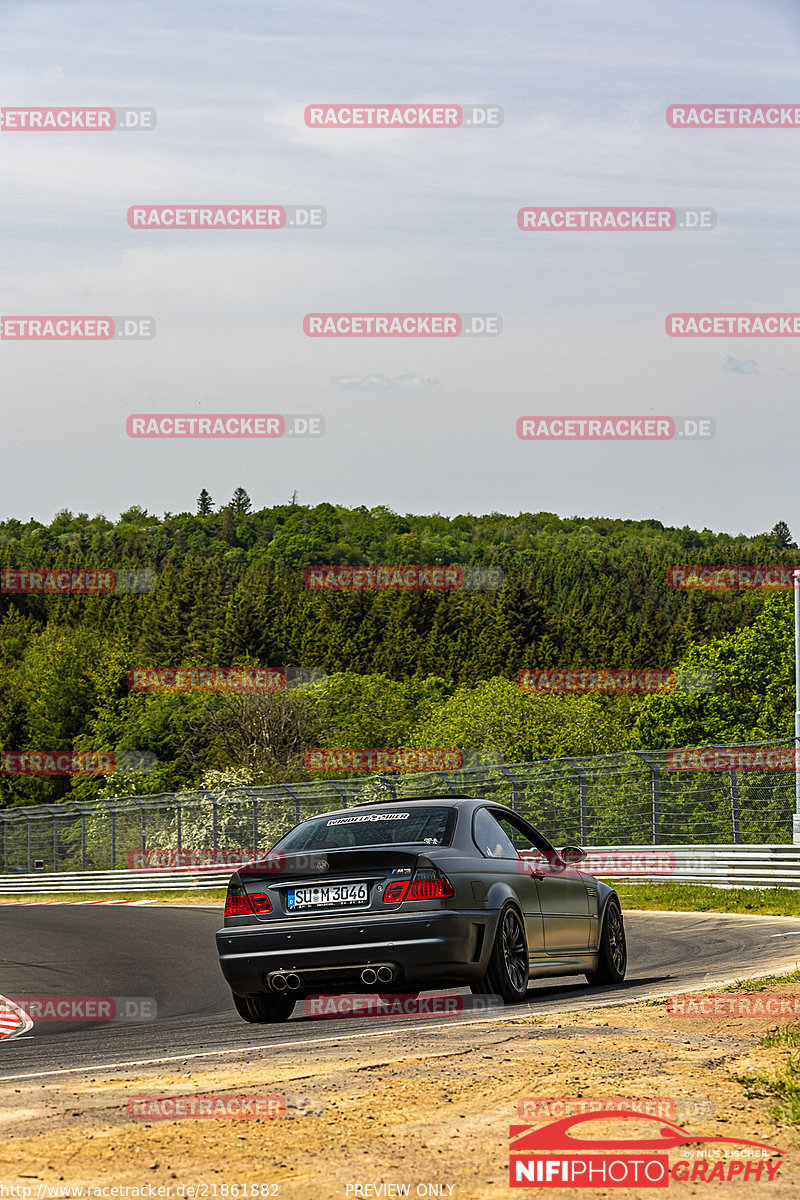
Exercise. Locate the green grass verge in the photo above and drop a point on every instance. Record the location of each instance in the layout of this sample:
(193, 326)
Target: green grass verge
(690, 897)
(187, 896)
(763, 985)
(751, 985)
(788, 1036)
(782, 1088)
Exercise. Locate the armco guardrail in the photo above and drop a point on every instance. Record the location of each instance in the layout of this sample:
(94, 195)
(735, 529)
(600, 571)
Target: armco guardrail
(750, 866)
(178, 879)
(718, 865)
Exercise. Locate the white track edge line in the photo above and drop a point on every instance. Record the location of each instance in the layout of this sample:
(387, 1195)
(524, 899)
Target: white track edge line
(349, 1037)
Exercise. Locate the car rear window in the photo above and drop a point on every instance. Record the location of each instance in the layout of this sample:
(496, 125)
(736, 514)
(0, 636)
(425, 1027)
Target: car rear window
(428, 826)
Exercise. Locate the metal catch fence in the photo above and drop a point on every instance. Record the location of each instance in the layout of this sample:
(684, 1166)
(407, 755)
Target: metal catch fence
(629, 799)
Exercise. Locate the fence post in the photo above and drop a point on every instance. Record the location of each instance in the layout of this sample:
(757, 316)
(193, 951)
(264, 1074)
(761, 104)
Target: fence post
(342, 790)
(30, 856)
(179, 825)
(5, 843)
(255, 824)
(296, 799)
(735, 806)
(144, 825)
(247, 792)
(735, 803)
(390, 782)
(584, 805)
(113, 813)
(82, 811)
(514, 787)
(655, 793)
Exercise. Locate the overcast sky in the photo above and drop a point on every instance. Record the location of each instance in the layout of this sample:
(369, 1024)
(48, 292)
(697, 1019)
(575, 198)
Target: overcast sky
(417, 221)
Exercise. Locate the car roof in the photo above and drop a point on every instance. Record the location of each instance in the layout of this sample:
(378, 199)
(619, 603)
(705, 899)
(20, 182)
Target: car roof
(388, 805)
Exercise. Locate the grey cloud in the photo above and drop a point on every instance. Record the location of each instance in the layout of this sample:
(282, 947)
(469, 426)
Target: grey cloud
(383, 383)
(740, 366)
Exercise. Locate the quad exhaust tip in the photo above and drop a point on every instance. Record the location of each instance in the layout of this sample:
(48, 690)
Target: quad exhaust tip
(371, 975)
(282, 981)
(279, 982)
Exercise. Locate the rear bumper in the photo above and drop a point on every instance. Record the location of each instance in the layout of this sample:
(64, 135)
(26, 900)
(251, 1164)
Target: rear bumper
(447, 947)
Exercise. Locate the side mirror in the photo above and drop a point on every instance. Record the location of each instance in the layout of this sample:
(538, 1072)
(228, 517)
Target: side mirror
(572, 855)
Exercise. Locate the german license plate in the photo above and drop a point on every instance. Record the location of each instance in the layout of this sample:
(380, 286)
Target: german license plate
(328, 896)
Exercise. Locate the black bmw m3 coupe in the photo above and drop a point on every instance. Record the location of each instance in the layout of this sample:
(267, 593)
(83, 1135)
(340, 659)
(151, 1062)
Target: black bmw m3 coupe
(414, 895)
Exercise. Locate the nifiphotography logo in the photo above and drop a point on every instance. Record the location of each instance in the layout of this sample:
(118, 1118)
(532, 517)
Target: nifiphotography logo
(553, 1156)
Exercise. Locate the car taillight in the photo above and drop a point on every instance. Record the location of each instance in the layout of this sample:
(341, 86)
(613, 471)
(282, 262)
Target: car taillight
(238, 903)
(395, 892)
(426, 885)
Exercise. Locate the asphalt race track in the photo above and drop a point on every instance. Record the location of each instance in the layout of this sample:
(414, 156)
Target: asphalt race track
(167, 953)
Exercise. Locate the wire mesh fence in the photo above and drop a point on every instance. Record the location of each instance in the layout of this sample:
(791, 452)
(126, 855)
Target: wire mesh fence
(745, 795)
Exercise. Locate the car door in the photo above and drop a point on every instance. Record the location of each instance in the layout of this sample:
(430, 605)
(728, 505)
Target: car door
(504, 863)
(563, 897)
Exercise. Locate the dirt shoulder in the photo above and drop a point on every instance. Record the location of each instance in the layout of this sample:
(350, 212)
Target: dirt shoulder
(422, 1108)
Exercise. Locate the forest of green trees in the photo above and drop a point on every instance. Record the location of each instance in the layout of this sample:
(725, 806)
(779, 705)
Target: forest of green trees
(415, 668)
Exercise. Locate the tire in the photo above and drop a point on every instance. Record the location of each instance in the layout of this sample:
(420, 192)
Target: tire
(612, 960)
(264, 1008)
(507, 973)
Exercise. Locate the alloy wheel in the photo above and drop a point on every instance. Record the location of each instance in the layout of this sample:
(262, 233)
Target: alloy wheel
(514, 950)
